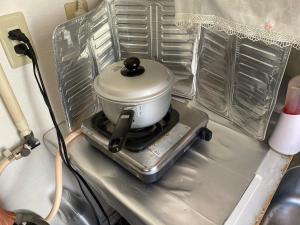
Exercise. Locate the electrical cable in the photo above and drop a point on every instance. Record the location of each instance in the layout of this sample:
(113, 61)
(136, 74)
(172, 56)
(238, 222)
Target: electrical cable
(63, 149)
(29, 51)
(64, 155)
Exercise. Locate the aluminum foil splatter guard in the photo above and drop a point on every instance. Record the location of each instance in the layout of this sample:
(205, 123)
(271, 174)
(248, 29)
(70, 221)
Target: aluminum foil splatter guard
(236, 78)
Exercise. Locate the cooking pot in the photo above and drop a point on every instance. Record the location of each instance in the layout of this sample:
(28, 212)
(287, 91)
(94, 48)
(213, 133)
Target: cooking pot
(134, 94)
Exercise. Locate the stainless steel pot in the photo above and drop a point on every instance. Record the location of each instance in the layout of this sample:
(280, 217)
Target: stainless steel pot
(134, 94)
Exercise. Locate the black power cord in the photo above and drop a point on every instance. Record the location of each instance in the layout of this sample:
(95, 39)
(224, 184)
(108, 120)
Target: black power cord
(25, 48)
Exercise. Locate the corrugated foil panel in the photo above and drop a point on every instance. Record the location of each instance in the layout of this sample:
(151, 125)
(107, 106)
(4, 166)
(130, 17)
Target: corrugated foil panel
(239, 79)
(146, 29)
(83, 47)
(213, 74)
(175, 48)
(258, 73)
(132, 26)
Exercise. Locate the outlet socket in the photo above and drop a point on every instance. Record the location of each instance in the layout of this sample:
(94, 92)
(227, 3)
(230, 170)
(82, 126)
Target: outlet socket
(7, 23)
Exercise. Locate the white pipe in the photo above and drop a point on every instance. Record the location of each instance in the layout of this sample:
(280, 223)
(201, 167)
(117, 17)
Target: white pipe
(18, 117)
(12, 105)
(58, 188)
(58, 178)
(9, 158)
(3, 164)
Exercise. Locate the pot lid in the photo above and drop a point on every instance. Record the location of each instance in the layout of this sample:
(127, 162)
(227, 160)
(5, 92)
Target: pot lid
(133, 80)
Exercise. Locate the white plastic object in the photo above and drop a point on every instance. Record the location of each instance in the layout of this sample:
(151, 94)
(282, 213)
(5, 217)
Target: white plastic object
(286, 136)
(79, 8)
(292, 103)
(12, 105)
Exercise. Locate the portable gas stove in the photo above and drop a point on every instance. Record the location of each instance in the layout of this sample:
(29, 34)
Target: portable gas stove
(150, 152)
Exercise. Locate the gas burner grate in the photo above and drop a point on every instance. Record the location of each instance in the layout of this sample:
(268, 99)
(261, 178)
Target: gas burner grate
(137, 139)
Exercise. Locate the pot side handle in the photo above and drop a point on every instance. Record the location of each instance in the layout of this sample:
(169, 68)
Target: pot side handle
(120, 132)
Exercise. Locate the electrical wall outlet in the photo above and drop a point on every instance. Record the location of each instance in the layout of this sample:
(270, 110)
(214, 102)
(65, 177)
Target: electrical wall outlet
(8, 23)
(70, 8)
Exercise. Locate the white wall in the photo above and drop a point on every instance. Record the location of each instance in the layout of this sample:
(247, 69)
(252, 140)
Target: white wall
(293, 68)
(28, 183)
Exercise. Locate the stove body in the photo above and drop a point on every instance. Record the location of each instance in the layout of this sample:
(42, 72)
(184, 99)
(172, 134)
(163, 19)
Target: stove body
(152, 162)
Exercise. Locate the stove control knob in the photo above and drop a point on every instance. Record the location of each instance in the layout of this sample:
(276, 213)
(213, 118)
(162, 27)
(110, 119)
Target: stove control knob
(205, 134)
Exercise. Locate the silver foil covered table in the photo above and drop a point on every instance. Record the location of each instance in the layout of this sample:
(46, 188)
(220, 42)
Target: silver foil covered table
(203, 187)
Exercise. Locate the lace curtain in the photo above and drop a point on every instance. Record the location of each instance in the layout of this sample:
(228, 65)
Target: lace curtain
(272, 21)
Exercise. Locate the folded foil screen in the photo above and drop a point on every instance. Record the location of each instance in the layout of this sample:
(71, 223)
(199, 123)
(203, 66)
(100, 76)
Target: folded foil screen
(147, 29)
(82, 47)
(237, 78)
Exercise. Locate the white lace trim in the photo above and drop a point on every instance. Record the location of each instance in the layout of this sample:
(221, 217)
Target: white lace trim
(230, 27)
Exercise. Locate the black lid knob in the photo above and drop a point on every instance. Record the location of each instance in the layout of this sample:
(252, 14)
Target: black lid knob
(132, 67)
(132, 63)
